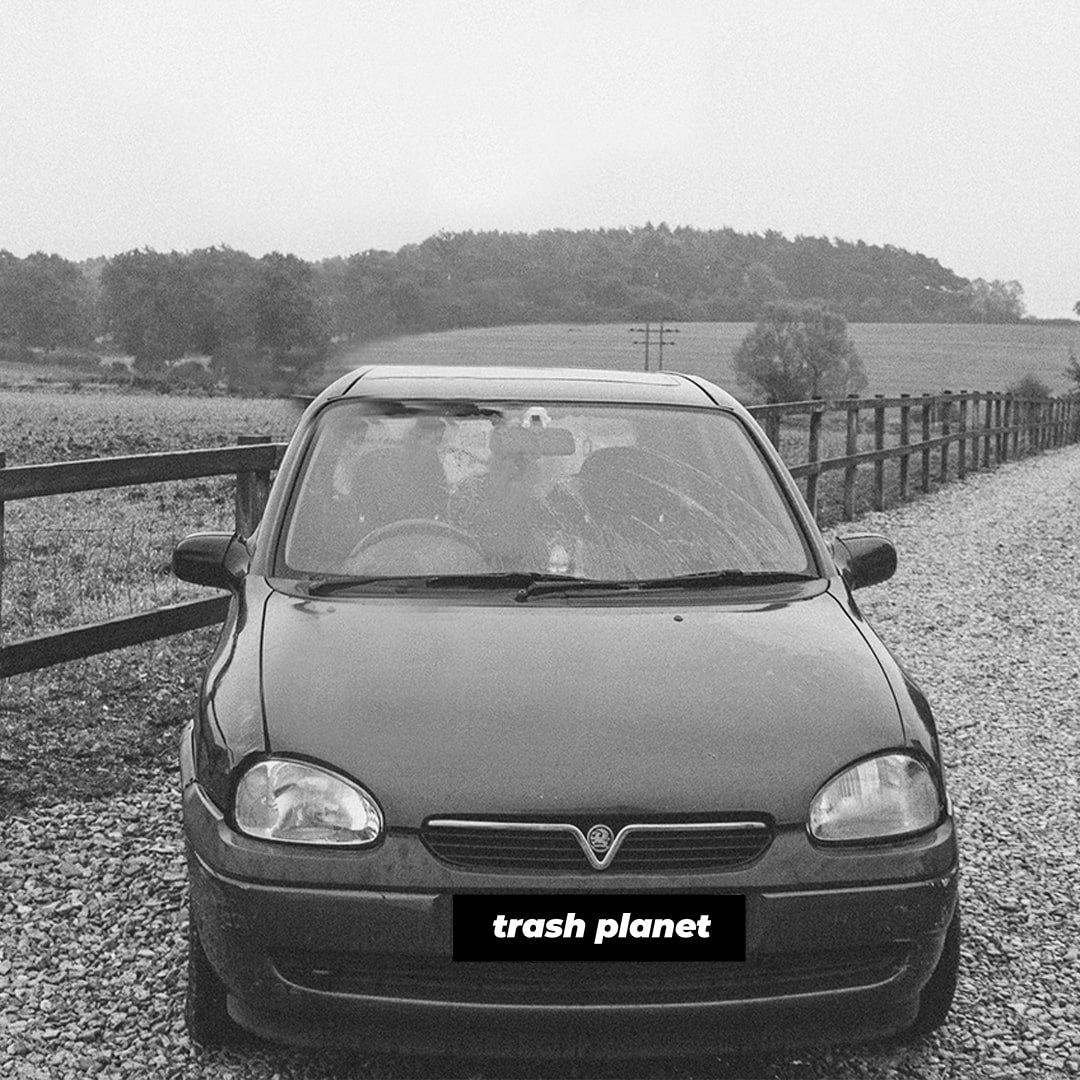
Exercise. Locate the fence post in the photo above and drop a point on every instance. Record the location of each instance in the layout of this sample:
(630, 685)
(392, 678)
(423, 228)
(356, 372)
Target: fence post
(3, 464)
(852, 445)
(987, 425)
(961, 458)
(879, 466)
(813, 455)
(926, 439)
(905, 440)
(946, 411)
(252, 490)
(972, 427)
(772, 428)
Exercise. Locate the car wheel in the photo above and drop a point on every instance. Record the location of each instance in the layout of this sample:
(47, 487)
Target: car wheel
(937, 995)
(205, 1011)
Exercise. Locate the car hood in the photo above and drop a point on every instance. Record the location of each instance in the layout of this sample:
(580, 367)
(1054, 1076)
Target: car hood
(440, 707)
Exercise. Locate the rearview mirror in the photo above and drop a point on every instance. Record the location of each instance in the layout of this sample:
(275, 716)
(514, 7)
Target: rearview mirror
(866, 559)
(216, 559)
(534, 441)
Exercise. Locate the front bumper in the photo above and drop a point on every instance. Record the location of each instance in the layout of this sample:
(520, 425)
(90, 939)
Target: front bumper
(316, 951)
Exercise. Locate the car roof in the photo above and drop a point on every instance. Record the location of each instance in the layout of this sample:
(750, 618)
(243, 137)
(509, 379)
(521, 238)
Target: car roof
(526, 383)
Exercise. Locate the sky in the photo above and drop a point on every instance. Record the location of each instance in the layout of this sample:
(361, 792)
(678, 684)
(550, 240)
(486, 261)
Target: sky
(326, 127)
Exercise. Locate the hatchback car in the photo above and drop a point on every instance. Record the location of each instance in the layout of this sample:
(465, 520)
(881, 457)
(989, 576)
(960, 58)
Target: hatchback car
(543, 720)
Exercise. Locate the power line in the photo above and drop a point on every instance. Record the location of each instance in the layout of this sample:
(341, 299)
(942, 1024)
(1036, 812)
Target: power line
(661, 337)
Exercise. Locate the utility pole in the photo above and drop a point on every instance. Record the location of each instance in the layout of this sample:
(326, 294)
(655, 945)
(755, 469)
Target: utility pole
(661, 336)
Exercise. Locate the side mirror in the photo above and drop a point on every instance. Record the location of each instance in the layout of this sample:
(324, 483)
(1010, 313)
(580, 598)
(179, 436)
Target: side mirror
(217, 559)
(864, 560)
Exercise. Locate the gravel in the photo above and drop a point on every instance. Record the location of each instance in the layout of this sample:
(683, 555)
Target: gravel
(984, 609)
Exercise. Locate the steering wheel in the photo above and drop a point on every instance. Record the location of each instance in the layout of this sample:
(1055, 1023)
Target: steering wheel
(431, 526)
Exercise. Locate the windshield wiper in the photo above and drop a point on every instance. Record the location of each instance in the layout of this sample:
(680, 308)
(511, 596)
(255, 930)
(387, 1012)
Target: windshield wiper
(328, 586)
(516, 579)
(531, 584)
(709, 579)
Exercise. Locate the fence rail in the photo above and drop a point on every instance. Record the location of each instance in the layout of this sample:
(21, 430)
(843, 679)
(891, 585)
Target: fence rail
(251, 461)
(986, 429)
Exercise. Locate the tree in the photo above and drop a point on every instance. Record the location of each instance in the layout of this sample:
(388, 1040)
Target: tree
(799, 351)
(149, 301)
(224, 289)
(44, 301)
(760, 288)
(290, 320)
(287, 311)
(995, 301)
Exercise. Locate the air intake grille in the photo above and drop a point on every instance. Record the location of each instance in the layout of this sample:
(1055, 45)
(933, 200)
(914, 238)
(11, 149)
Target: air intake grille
(590, 982)
(634, 848)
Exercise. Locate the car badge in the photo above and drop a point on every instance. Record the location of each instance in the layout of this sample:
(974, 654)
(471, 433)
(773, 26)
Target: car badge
(600, 837)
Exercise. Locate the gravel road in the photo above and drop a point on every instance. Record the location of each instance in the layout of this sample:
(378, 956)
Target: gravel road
(984, 609)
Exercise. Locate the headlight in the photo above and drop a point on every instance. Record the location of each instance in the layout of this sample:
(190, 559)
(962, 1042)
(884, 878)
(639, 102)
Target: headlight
(888, 795)
(298, 803)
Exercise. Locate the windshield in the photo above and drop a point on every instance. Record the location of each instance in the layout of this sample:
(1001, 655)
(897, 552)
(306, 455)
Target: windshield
(594, 491)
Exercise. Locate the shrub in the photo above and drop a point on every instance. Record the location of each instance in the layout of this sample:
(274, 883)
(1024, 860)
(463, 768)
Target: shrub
(1072, 370)
(189, 375)
(1030, 386)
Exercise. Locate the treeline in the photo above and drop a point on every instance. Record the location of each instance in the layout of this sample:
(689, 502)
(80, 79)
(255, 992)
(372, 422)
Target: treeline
(265, 321)
(262, 322)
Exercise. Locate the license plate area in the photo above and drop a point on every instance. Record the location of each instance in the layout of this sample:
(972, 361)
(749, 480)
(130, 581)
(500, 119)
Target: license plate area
(599, 927)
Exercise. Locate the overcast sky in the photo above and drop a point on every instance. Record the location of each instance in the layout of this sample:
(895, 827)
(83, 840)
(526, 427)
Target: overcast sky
(324, 128)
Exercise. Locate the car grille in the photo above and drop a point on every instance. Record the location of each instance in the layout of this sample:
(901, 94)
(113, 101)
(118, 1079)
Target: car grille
(657, 847)
(588, 983)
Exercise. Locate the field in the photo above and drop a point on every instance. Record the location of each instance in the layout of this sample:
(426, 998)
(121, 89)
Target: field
(912, 358)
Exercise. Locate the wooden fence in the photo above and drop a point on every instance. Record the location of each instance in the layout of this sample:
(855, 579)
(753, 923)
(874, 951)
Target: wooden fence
(986, 429)
(252, 462)
(931, 438)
